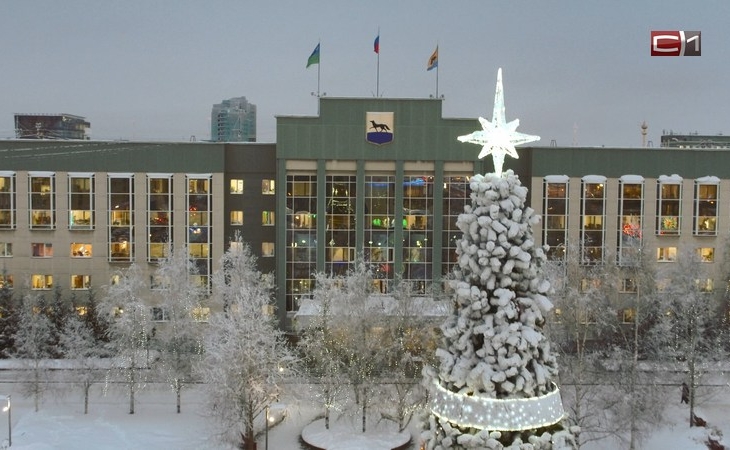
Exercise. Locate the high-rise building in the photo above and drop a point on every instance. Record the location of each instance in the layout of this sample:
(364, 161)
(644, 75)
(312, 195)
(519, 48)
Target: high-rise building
(233, 120)
(51, 126)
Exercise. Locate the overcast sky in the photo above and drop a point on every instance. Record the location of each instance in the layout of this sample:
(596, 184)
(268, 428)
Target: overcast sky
(575, 71)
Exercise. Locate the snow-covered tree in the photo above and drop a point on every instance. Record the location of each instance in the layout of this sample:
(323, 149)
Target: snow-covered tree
(129, 328)
(97, 323)
(178, 339)
(80, 346)
(689, 324)
(9, 316)
(58, 311)
(495, 386)
(34, 344)
(321, 345)
(408, 340)
(246, 356)
(581, 327)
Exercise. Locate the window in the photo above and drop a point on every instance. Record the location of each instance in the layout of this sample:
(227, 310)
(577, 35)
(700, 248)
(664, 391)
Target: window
(705, 285)
(198, 222)
(159, 213)
(7, 200)
(267, 187)
(236, 217)
(80, 282)
(41, 250)
(201, 314)
(6, 281)
(301, 236)
(6, 249)
(159, 314)
(42, 200)
(669, 202)
(588, 284)
(628, 315)
(417, 226)
(631, 213)
(666, 254)
(81, 250)
(267, 249)
(555, 197)
(80, 201)
(115, 279)
(121, 217)
(706, 254)
(705, 211)
(236, 186)
(82, 310)
(41, 282)
(593, 215)
(628, 285)
(455, 197)
(267, 218)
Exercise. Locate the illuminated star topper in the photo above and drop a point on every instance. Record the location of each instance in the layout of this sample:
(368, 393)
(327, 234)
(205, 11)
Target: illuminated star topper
(498, 138)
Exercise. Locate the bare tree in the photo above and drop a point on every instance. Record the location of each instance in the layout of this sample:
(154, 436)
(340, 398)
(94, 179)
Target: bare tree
(179, 338)
(129, 329)
(246, 357)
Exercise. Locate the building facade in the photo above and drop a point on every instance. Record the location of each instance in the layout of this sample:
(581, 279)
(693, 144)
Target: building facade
(71, 216)
(381, 178)
(51, 126)
(233, 120)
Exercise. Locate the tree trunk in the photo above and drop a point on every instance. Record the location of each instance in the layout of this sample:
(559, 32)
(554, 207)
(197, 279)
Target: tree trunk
(178, 388)
(87, 386)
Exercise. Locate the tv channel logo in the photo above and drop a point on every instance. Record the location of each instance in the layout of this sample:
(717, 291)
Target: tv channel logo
(676, 43)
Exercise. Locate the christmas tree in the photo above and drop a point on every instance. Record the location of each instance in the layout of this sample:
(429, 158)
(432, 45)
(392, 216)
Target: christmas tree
(496, 386)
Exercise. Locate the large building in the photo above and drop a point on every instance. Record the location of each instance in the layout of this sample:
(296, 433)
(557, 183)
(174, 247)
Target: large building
(233, 120)
(51, 126)
(383, 177)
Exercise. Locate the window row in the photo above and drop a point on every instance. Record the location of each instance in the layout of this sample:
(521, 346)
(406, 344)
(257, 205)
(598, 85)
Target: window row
(267, 186)
(631, 214)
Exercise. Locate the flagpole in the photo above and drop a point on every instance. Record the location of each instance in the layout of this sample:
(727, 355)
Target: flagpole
(319, 65)
(377, 78)
(437, 79)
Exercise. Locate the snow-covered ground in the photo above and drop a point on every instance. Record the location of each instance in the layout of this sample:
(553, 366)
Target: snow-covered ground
(60, 424)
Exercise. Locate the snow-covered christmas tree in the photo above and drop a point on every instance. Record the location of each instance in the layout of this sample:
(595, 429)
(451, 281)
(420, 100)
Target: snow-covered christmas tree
(496, 385)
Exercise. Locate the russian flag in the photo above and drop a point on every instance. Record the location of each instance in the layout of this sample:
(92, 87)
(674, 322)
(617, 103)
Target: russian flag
(376, 45)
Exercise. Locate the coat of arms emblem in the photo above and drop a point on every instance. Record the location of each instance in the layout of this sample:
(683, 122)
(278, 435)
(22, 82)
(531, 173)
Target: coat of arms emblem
(379, 127)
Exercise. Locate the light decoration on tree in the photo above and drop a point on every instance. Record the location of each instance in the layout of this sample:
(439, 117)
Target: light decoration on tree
(498, 137)
(496, 414)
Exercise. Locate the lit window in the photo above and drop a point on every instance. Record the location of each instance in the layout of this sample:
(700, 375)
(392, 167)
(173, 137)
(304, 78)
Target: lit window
(236, 186)
(593, 214)
(706, 254)
(6, 249)
(115, 279)
(81, 201)
(236, 217)
(555, 197)
(80, 282)
(42, 250)
(267, 218)
(267, 187)
(666, 254)
(82, 310)
(7, 200)
(41, 282)
(6, 281)
(628, 315)
(668, 214)
(267, 249)
(80, 250)
(706, 204)
(201, 314)
(42, 200)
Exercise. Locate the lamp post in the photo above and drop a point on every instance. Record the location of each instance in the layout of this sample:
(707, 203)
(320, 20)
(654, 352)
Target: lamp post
(10, 437)
(266, 419)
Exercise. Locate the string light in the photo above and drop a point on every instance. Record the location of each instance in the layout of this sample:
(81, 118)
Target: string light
(494, 414)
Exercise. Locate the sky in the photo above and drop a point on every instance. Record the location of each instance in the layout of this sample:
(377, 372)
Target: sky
(575, 72)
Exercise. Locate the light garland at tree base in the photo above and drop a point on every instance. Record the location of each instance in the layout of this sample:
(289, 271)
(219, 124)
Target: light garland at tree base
(495, 414)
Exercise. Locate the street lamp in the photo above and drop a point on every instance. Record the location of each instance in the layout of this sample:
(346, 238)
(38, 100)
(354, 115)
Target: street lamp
(10, 437)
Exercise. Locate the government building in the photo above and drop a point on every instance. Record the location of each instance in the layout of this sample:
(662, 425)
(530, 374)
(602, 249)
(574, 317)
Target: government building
(385, 178)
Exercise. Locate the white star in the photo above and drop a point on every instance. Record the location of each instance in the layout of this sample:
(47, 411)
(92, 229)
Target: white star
(498, 137)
